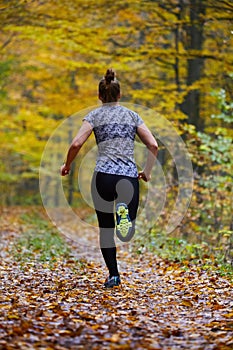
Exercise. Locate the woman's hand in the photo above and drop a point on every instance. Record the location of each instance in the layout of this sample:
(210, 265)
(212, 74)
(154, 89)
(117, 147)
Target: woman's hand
(64, 170)
(142, 175)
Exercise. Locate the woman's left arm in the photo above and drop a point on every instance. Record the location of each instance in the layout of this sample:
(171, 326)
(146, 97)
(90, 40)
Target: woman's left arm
(81, 137)
(148, 139)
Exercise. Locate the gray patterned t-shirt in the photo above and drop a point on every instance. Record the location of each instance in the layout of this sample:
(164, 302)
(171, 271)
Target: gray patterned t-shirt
(115, 128)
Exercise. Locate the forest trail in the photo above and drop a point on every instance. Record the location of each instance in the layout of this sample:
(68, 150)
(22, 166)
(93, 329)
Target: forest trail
(160, 305)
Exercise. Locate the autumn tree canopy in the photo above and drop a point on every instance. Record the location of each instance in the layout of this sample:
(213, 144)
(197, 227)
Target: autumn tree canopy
(173, 56)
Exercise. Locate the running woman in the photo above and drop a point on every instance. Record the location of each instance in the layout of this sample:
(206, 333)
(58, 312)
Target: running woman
(115, 182)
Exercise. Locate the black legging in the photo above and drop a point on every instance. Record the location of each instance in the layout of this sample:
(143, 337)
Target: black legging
(108, 190)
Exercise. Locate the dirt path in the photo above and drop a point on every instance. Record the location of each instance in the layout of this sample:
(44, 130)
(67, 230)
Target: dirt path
(160, 305)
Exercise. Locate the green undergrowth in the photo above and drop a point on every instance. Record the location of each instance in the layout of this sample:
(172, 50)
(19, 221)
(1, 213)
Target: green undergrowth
(217, 257)
(40, 241)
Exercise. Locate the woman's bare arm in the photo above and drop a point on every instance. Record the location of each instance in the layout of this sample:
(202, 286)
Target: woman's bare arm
(148, 139)
(81, 137)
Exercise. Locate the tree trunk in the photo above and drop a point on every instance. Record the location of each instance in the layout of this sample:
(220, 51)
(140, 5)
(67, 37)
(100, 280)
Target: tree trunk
(71, 175)
(194, 31)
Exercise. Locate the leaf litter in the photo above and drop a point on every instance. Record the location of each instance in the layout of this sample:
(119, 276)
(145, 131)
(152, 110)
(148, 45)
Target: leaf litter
(63, 305)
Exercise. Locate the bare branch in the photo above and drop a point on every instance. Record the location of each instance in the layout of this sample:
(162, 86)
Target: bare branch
(7, 42)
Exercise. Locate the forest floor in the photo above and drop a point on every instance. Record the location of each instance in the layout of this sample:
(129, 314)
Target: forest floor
(57, 301)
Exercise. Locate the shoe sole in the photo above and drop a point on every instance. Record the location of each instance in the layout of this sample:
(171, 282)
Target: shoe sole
(124, 224)
(112, 286)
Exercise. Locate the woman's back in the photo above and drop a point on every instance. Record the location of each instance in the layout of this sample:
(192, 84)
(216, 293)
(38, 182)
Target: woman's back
(115, 128)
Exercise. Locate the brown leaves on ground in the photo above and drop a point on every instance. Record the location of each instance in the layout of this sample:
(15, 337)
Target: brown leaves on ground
(160, 305)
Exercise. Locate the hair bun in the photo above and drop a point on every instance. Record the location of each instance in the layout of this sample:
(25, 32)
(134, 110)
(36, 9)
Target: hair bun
(109, 76)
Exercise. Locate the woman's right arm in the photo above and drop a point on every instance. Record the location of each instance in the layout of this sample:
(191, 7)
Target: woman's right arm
(83, 134)
(148, 139)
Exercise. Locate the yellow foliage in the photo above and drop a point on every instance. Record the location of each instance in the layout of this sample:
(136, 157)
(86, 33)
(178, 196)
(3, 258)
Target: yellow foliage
(55, 52)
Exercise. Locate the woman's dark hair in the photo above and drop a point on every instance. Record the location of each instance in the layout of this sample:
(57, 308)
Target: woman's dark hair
(109, 87)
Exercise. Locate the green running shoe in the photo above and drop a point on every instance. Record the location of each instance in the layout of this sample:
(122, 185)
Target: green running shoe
(124, 224)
